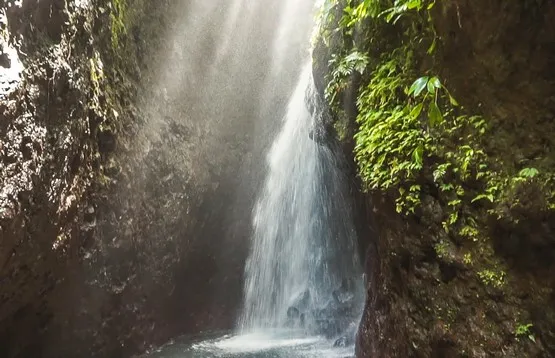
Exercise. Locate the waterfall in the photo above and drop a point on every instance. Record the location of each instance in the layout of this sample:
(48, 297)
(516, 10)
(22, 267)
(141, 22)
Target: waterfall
(304, 242)
(234, 67)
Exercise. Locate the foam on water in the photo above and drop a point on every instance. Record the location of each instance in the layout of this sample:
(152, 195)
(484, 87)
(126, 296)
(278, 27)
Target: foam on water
(257, 342)
(270, 344)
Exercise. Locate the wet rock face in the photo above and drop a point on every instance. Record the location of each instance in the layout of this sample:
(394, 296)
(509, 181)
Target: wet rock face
(46, 158)
(62, 285)
(47, 17)
(110, 242)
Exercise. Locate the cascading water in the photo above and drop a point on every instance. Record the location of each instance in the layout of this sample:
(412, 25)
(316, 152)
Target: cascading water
(303, 289)
(304, 243)
(303, 279)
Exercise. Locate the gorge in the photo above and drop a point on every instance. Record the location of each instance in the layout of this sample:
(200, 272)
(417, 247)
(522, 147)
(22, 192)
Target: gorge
(266, 178)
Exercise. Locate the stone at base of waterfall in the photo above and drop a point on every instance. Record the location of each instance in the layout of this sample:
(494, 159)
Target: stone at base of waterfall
(349, 336)
(343, 342)
(331, 320)
(293, 313)
(334, 319)
(296, 313)
(340, 311)
(302, 301)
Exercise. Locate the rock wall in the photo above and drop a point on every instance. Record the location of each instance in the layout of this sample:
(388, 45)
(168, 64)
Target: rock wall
(51, 110)
(480, 285)
(120, 161)
(95, 234)
(91, 248)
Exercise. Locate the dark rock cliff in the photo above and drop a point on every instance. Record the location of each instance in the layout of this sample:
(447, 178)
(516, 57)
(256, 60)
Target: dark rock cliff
(126, 136)
(484, 287)
(51, 112)
(97, 215)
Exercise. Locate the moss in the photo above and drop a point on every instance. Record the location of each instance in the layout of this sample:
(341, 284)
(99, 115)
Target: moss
(96, 76)
(341, 127)
(118, 17)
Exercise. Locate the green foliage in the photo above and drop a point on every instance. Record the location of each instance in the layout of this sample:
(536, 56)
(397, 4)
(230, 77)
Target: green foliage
(401, 119)
(402, 123)
(414, 138)
(391, 11)
(355, 14)
(467, 258)
(409, 124)
(390, 142)
(343, 68)
(523, 330)
(492, 278)
(401, 7)
(469, 230)
(442, 249)
(528, 172)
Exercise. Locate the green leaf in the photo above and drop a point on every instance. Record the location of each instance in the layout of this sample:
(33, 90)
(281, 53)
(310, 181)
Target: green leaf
(417, 155)
(453, 101)
(416, 110)
(418, 86)
(390, 15)
(431, 88)
(397, 18)
(446, 187)
(413, 4)
(434, 114)
(435, 82)
(414, 188)
(438, 174)
(453, 218)
(483, 196)
(528, 172)
(432, 47)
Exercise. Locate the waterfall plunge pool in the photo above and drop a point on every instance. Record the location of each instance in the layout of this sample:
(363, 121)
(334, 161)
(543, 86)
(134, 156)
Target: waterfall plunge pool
(283, 343)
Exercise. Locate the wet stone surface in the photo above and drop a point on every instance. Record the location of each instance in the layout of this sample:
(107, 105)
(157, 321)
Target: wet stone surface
(334, 320)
